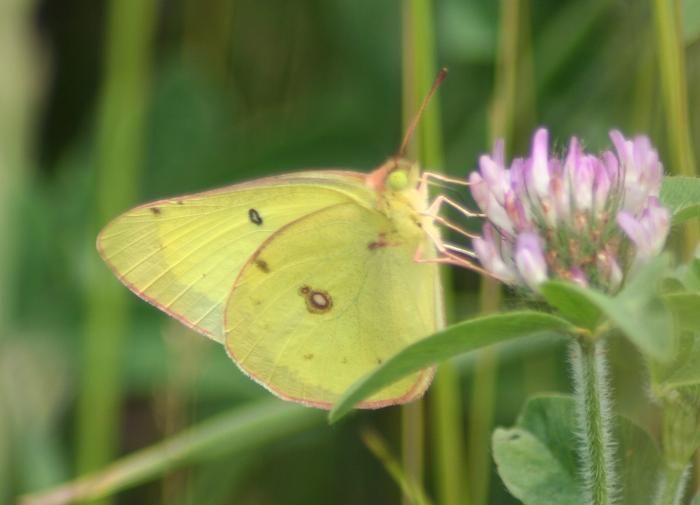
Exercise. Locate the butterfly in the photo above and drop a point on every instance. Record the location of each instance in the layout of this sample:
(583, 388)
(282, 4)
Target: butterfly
(310, 280)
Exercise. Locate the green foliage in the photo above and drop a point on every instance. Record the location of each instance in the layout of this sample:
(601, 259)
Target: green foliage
(636, 310)
(682, 299)
(248, 427)
(537, 457)
(685, 308)
(691, 21)
(452, 341)
(682, 196)
(573, 302)
(530, 471)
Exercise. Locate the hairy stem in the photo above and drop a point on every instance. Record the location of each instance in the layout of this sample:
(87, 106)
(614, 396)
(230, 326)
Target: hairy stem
(593, 412)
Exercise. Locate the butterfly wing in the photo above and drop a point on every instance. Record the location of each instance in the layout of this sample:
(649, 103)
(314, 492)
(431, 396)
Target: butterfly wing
(325, 300)
(183, 254)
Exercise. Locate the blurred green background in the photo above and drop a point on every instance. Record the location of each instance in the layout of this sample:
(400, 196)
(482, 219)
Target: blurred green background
(104, 105)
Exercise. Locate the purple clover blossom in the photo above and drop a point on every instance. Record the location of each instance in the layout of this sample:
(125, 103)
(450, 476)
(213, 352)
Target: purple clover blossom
(581, 217)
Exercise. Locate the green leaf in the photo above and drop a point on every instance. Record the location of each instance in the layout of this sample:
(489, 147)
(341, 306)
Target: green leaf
(685, 308)
(550, 417)
(691, 273)
(638, 462)
(530, 471)
(685, 370)
(682, 196)
(457, 339)
(642, 284)
(635, 310)
(572, 303)
(537, 458)
(696, 500)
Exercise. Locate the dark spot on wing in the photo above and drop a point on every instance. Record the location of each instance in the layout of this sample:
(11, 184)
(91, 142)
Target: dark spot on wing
(344, 360)
(317, 301)
(380, 361)
(380, 242)
(155, 210)
(262, 265)
(514, 436)
(308, 356)
(180, 202)
(255, 217)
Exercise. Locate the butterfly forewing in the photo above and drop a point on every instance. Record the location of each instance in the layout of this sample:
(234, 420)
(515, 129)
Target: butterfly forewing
(183, 254)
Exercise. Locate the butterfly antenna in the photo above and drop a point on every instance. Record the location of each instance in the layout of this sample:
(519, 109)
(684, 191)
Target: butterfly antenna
(414, 122)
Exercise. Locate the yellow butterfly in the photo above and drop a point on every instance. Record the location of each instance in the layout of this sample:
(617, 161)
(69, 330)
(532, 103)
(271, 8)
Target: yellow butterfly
(309, 279)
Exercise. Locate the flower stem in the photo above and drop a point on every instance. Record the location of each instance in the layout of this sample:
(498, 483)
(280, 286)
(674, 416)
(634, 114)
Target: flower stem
(593, 412)
(672, 483)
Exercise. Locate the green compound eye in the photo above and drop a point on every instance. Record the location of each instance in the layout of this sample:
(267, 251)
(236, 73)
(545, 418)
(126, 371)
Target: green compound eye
(398, 180)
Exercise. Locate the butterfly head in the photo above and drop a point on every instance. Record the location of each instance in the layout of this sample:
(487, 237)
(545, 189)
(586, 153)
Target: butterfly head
(396, 175)
(403, 176)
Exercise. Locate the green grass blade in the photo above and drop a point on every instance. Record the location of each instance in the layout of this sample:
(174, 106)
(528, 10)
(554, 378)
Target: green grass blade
(674, 89)
(119, 145)
(249, 427)
(419, 71)
(410, 489)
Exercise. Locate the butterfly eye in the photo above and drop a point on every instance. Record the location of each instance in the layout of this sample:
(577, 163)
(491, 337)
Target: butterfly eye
(398, 180)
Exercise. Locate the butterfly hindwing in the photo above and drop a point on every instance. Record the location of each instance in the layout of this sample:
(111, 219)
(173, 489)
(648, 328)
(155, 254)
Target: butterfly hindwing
(183, 254)
(325, 300)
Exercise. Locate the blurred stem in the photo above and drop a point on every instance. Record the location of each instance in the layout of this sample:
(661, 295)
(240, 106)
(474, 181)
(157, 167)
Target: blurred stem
(680, 437)
(119, 145)
(419, 71)
(481, 406)
(502, 119)
(672, 484)
(247, 427)
(20, 88)
(671, 59)
(562, 35)
(207, 33)
(594, 419)
(644, 90)
(503, 103)
(412, 443)
(19, 93)
(409, 488)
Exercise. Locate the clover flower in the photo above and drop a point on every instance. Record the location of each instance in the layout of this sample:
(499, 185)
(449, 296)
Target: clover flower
(585, 218)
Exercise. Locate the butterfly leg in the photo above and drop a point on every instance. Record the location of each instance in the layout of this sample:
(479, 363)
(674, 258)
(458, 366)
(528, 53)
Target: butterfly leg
(426, 176)
(436, 205)
(448, 253)
(448, 257)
